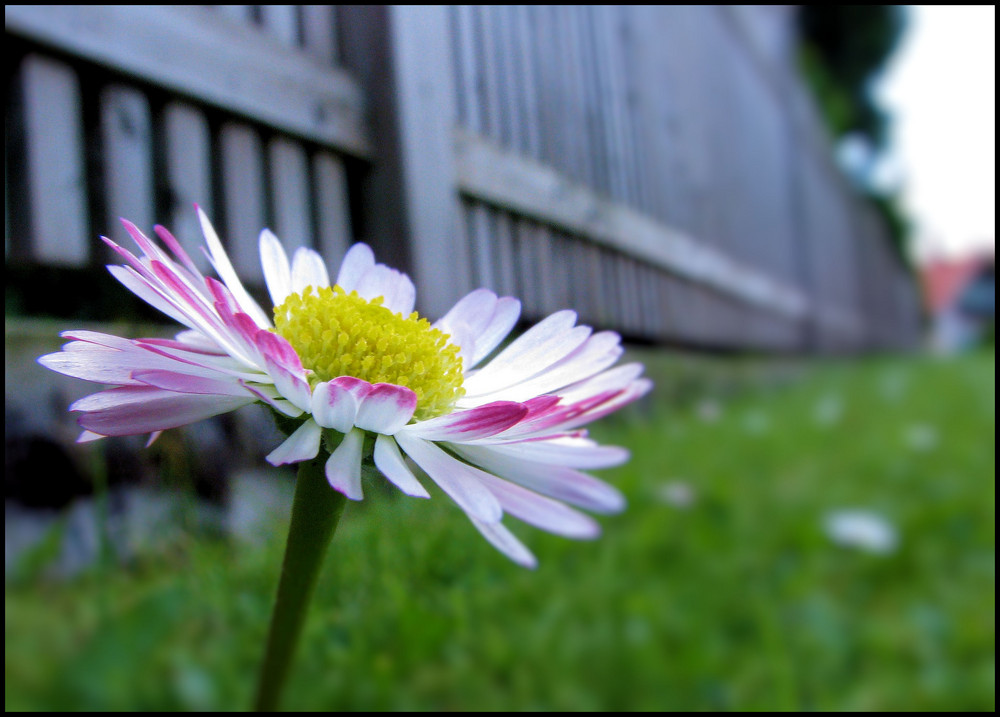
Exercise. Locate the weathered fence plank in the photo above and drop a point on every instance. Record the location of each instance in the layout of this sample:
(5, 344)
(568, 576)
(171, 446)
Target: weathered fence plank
(195, 52)
(126, 131)
(290, 189)
(56, 179)
(243, 196)
(189, 175)
(492, 175)
(657, 168)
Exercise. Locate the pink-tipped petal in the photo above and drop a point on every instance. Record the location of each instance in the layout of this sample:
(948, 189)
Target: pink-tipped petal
(88, 437)
(186, 383)
(386, 408)
(504, 541)
(280, 351)
(460, 481)
(473, 424)
(274, 262)
(393, 467)
(343, 469)
(292, 387)
(134, 282)
(302, 445)
(335, 403)
(357, 261)
(133, 410)
(175, 246)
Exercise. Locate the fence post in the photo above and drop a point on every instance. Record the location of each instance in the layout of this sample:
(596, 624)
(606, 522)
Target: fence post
(411, 213)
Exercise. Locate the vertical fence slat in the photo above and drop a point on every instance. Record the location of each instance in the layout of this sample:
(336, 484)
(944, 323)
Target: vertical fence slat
(319, 33)
(126, 131)
(333, 216)
(243, 196)
(290, 193)
(189, 175)
(281, 22)
(56, 176)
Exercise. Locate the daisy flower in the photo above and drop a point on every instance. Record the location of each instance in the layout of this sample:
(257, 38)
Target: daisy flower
(359, 375)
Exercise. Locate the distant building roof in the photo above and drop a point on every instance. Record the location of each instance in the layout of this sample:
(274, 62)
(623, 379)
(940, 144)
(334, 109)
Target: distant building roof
(943, 280)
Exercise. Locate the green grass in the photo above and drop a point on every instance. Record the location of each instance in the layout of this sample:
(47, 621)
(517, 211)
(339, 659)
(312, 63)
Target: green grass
(739, 601)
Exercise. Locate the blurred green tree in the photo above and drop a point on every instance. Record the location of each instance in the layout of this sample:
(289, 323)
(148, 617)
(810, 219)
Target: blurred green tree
(842, 51)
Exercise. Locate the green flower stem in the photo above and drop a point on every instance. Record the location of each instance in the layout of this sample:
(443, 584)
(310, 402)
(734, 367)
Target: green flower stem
(316, 510)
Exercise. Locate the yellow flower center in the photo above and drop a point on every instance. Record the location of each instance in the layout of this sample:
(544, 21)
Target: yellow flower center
(340, 334)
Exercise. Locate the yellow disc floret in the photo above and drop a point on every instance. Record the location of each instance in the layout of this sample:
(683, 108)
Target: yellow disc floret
(340, 334)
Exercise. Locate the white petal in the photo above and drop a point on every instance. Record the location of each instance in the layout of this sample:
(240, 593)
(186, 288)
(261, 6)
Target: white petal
(614, 379)
(537, 349)
(386, 408)
(270, 396)
(542, 512)
(565, 484)
(274, 262)
(302, 445)
(568, 452)
(391, 463)
(504, 541)
(596, 354)
(394, 287)
(308, 269)
(225, 270)
(357, 261)
(478, 323)
(343, 469)
(460, 481)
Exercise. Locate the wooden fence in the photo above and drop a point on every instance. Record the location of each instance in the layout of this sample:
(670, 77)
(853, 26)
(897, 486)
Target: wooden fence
(658, 169)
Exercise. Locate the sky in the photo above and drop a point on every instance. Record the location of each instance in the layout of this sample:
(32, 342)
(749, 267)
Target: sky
(941, 89)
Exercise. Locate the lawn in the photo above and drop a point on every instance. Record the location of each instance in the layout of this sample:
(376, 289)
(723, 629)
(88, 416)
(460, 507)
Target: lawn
(718, 588)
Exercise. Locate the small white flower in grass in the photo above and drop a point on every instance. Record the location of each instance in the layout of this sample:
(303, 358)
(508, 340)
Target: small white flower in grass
(677, 493)
(863, 529)
(921, 437)
(359, 372)
(829, 410)
(709, 410)
(756, 423)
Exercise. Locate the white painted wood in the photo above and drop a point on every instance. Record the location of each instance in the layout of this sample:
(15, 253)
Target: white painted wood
(281, 22)
(56, 178)
(504, 255)
(333, 215)
(422, 66)
(197, 52)
(243, 195)
(319, 31)
(126, 131)
(290, 191)
(490, 174)
(189, 176)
